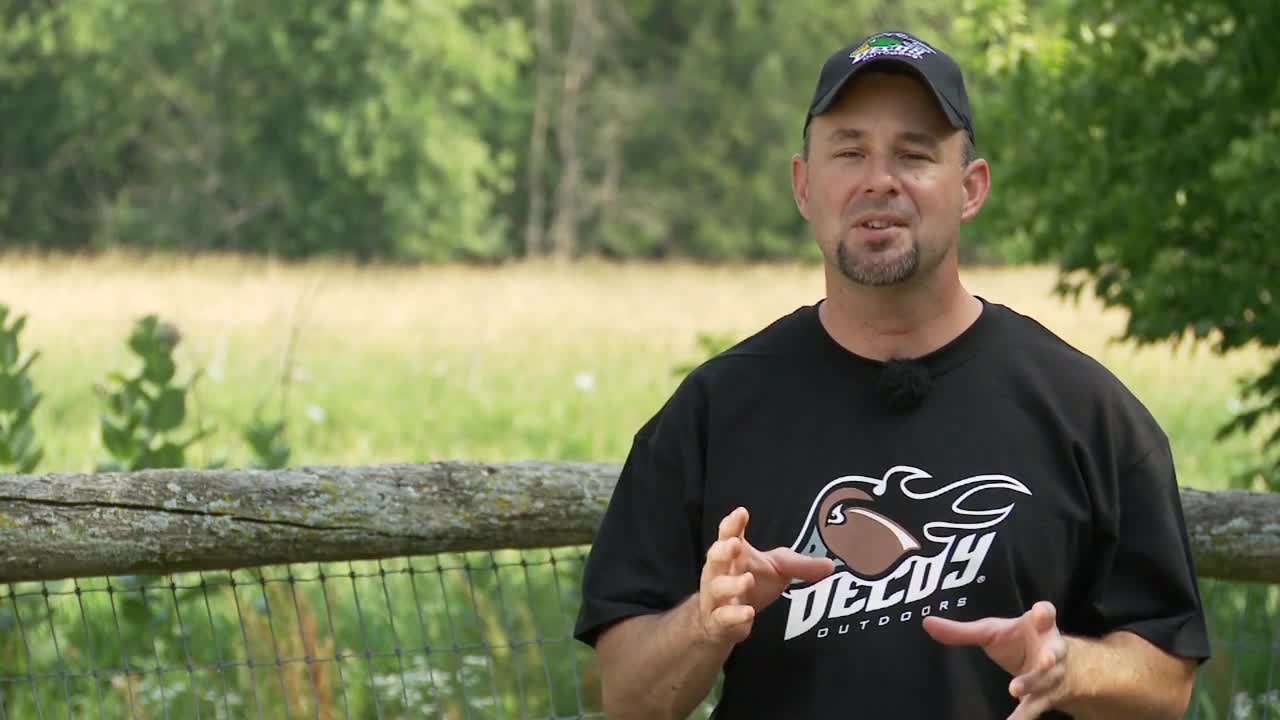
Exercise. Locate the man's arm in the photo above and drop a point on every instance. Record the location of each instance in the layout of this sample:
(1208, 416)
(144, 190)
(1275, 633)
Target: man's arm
(658, 666)
(1124, 676)
(661, 666)
(1119, 676)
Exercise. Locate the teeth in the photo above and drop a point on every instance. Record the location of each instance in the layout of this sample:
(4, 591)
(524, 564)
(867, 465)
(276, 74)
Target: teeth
(876, 224)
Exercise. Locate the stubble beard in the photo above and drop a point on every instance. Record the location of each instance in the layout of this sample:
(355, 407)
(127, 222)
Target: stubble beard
(876, 273)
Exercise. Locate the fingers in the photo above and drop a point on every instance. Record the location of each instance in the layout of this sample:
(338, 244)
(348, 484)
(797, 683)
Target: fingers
(1036, 692)
(721, 621)
(955, 632)
(734, 527)
(791, 564)
(724, 616)
(730, 623)
(726, 589)
(734, 524)
(721, 557)
(1043, 615)
(1030, 708)
(1039, 687)
(727, 617)
(1043, 677)
(1043, 650)
(1043, 684)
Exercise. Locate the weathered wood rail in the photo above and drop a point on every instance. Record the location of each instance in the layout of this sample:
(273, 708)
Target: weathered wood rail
(160, 521)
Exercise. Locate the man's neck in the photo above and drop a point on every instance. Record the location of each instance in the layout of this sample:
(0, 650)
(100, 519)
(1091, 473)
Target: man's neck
(897, 322)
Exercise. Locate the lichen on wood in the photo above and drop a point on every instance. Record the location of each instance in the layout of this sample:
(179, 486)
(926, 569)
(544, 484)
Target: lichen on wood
(161, 521)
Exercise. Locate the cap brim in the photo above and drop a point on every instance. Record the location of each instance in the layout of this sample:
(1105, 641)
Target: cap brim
(827, 100)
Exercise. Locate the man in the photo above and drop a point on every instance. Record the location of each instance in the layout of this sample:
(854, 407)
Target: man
(904, 501)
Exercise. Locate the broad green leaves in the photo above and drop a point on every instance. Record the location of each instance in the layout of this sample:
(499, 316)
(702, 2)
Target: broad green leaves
(19, 451)
(1155, 136)
(144, 412)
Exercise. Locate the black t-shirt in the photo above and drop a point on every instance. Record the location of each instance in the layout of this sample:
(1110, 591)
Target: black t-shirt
(1029, 472)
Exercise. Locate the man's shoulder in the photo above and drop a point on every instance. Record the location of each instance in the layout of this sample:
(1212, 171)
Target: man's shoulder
(750, 363)
(1077, 383)
(788, 338)
(1030, 344)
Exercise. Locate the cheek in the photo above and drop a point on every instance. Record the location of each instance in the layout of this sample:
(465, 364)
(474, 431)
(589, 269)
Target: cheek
(827, 199)
(933, 199)
(830, 187)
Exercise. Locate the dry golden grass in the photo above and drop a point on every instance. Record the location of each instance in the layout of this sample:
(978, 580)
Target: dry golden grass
(81, 299)
(87, 305)
(504, 344)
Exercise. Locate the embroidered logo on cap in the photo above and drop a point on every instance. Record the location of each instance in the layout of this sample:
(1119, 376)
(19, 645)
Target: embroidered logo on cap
(891, 44)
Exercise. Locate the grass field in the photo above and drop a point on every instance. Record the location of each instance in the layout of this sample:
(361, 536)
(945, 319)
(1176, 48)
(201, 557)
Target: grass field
(534, 361)
(395, 365)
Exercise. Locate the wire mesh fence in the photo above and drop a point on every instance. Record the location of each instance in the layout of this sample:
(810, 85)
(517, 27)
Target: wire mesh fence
(474, 635)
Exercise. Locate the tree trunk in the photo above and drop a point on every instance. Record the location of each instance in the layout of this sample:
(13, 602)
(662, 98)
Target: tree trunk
(544, 49)
(162, 521)
(578, 61)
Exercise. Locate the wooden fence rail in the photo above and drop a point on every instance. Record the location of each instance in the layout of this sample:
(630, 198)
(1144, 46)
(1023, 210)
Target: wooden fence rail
(161, 521)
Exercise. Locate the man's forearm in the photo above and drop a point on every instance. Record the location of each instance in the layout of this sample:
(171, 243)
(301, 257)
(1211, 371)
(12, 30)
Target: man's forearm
(657, 666)
(1124, 676)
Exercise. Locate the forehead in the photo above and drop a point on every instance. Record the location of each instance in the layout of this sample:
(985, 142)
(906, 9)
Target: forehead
(889, 99)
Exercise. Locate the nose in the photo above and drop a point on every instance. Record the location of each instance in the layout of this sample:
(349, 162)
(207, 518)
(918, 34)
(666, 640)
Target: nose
(881, 178)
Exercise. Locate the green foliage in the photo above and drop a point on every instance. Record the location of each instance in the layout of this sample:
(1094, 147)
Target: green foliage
(145, 412)
(19, 450)
(406, 130)
(294, 129)
(715, 106)
(267, 440)
(1158, 125)
(494, 624)
(709, 345)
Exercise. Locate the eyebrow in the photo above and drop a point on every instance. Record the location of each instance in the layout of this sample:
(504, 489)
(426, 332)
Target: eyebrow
(912, 136)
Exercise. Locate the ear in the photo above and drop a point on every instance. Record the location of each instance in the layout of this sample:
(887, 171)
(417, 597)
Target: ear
(800, 184)
(976, 186)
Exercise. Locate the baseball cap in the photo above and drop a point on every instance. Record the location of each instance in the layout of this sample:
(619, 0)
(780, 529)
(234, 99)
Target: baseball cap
(899, 50)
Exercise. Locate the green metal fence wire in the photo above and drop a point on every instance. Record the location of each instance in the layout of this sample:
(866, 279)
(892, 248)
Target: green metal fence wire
(474, 635)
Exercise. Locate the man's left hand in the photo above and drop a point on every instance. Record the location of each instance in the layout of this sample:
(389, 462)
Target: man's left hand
(1028, 647)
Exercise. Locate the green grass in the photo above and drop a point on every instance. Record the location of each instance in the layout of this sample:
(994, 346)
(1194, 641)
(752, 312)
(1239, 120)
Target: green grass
(432, 637)
(555, 362)
(395, 365)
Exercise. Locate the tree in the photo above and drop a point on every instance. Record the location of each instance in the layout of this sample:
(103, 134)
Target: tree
(724, 87)
(1155, 135)
(290, 128)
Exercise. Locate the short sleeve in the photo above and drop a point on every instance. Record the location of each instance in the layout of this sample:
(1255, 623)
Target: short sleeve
(646, 556)
(1145, 578)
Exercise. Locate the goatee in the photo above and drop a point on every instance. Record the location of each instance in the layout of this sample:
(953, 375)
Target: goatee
(879, 274)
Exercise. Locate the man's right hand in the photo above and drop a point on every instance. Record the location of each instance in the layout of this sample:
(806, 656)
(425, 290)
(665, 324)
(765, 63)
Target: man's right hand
(661, 665)
(738, 580)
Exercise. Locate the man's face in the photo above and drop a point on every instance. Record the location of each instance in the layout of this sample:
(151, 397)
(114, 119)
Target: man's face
(884, 184)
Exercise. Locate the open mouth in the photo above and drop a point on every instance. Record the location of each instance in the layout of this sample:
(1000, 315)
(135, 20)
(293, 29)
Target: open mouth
(880, 222)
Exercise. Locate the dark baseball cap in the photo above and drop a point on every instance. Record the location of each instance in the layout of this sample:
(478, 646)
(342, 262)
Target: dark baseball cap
(896, 51)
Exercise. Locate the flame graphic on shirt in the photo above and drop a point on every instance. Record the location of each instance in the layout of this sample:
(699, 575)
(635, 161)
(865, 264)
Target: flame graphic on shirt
(845, 523)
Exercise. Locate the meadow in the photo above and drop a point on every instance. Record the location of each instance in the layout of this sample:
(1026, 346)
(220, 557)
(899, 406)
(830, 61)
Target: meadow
(529, 361)
(378, 364)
